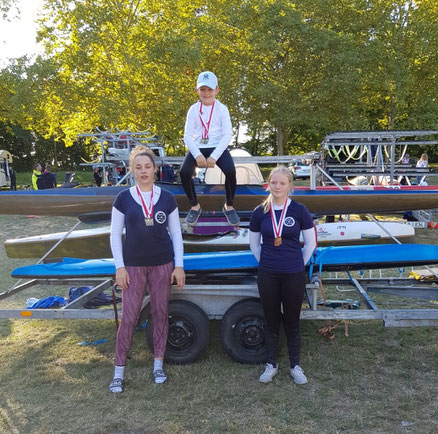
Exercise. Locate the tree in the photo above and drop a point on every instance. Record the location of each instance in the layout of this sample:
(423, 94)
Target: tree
(292, 71)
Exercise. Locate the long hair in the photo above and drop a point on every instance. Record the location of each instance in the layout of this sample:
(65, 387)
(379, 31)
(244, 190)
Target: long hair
(283, 170)
(143, 151)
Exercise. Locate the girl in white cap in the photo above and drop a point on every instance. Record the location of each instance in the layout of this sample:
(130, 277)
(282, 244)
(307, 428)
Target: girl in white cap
(207, 135)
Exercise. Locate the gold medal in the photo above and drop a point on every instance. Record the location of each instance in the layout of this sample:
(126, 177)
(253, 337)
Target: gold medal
(277, 241)
(149, 221)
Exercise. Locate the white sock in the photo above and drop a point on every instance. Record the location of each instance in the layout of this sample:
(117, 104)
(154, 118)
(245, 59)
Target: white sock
(158, 364)
(119, 372)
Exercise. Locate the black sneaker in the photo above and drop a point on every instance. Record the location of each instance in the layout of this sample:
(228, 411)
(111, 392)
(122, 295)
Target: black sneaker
(231, 216)
(193, 216)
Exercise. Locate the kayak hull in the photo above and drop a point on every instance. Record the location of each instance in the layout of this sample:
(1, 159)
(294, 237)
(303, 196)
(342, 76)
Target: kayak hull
(326, 259)
(95, 243)
(322, 201)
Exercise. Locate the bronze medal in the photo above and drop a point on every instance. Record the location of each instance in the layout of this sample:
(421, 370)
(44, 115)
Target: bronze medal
(277, 241)
(149, 221)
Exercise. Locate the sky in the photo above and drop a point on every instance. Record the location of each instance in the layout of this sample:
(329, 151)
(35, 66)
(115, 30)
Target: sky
(18, 36)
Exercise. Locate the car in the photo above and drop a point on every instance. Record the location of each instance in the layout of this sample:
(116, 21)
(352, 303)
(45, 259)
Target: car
(300, 169)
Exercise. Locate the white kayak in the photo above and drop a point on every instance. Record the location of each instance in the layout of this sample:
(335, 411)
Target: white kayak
(94, 243)
(341, 233)
(362, 232)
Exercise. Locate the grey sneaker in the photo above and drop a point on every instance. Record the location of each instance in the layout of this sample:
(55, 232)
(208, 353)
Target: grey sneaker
(193, 216)
(298, 375)
(231, 216)
(159, 376)
(269, 374)
(116, 386)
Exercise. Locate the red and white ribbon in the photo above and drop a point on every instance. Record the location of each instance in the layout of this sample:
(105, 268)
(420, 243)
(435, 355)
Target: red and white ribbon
(278, 228)
(147, 212)
(205, 128)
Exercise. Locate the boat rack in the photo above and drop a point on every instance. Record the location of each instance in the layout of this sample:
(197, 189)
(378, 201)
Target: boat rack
(374, 154)
(215, 300)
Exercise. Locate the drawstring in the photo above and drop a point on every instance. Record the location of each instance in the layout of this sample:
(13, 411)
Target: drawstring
(116, 316)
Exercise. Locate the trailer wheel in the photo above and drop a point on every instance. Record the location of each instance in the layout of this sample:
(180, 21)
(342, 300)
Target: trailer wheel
(242, 334)
(188, 333)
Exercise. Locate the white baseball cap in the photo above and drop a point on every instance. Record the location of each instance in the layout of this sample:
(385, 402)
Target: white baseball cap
(207, 78)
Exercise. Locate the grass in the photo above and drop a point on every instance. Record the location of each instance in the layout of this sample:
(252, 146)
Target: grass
(377, 380)
(370, 382)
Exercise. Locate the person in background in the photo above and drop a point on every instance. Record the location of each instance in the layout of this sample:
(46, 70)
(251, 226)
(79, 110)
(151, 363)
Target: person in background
(13, 178)
(47, 179)
(151, 257)
(422, 163)
(37, 172)
(207, 134)
(97, 176)
(281, 277)
(168, 174)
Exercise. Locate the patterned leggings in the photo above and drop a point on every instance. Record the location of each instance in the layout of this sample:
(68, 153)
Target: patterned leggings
(157, 280)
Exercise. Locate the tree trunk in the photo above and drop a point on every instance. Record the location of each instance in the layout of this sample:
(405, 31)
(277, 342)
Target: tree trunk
(280, 141)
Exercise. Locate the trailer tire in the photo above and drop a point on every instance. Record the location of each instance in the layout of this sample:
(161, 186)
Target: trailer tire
(188, 335)
(241, 332)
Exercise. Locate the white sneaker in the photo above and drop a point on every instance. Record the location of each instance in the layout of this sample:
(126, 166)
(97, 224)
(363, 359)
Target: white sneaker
(269, 374)
(298, 375)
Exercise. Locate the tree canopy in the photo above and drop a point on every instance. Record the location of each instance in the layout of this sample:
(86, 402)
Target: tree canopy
(291, 71)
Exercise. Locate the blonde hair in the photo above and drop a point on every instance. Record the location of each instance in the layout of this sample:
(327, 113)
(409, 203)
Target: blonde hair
(140, 151)
(423, 157)
(283, 170)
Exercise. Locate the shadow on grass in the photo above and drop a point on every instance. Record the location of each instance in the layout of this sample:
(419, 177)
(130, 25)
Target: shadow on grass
(5, 327)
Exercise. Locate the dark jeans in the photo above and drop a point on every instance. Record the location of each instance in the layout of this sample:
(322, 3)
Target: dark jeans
(275, 290)
(225, 163)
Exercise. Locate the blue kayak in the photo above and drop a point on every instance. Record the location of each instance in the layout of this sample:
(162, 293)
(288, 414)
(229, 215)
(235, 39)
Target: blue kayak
(326, 258)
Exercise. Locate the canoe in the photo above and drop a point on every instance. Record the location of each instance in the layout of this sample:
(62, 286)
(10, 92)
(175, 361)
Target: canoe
(94, 243)
(339, 258)
(322, 201)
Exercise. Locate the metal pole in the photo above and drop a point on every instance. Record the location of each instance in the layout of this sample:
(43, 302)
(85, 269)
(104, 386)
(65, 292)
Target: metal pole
(391, 163)
(102, 150)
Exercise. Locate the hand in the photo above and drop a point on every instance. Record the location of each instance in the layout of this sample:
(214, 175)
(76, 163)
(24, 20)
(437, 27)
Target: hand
(211, 162)
(201, 161)
(179, 276)
(122, 278)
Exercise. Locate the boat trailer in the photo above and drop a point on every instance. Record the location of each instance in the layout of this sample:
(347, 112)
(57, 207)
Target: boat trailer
(238, 307)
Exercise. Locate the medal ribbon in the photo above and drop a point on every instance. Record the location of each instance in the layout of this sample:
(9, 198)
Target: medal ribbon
(206, 128)
(147, 212)
(278, 229)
